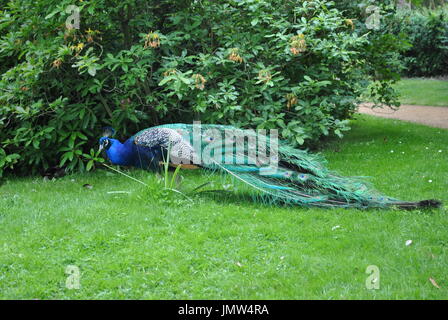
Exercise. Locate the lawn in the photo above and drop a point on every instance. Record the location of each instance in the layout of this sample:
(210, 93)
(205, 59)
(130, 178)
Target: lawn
(127, 245)
(425, 92)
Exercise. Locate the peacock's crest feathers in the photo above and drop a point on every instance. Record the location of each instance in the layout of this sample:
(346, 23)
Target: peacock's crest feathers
(108, 132)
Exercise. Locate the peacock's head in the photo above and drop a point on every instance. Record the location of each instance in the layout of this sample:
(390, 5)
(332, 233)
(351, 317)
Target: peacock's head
(105, 141)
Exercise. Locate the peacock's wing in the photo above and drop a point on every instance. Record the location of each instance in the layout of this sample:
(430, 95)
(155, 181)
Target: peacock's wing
(166, 139)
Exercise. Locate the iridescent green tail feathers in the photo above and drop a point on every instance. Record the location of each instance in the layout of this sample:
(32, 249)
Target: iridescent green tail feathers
(299, 177)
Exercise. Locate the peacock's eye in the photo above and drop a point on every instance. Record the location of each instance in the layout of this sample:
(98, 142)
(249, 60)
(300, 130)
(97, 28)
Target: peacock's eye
(104, 143)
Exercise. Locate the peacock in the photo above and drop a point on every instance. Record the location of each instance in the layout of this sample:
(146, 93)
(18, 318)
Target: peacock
(273, 169)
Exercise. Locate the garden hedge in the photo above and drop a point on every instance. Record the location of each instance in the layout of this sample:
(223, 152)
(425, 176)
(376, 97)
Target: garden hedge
(299, 66)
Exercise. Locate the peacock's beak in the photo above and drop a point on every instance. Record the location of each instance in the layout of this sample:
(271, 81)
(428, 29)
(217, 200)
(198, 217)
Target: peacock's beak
(101, 147)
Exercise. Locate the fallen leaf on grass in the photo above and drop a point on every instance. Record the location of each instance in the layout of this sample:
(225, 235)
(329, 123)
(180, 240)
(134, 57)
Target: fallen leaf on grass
(434, 283)
(408, 242)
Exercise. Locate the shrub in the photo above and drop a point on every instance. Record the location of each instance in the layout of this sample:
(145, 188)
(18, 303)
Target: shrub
(427, 32)
(300, 66)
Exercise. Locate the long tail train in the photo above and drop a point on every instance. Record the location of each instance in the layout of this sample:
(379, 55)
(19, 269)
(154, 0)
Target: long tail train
(300, 178)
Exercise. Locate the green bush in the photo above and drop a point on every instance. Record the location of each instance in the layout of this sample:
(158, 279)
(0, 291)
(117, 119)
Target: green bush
(427, 32)
(300, 66)
(428, 3)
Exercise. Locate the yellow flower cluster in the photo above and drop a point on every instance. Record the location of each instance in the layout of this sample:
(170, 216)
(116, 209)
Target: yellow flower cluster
(298, 44)
(234, 56)
(264, 76)
(90, 33)
(152, 40)
(56, 63)
(291, 100)
(169, 72)
(349, 23)
(199, 81)
(78, 48)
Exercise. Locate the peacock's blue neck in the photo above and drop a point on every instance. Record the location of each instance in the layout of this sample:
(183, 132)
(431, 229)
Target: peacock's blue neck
(129, 154)
(122, 154)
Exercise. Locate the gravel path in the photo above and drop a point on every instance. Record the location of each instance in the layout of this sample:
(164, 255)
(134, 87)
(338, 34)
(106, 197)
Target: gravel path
(430, 116)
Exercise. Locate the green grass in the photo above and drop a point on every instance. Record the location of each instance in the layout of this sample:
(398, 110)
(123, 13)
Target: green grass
(129, 246)
(425, 92)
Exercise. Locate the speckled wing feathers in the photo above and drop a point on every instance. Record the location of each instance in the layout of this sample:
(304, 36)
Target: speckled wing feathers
(181, 150)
